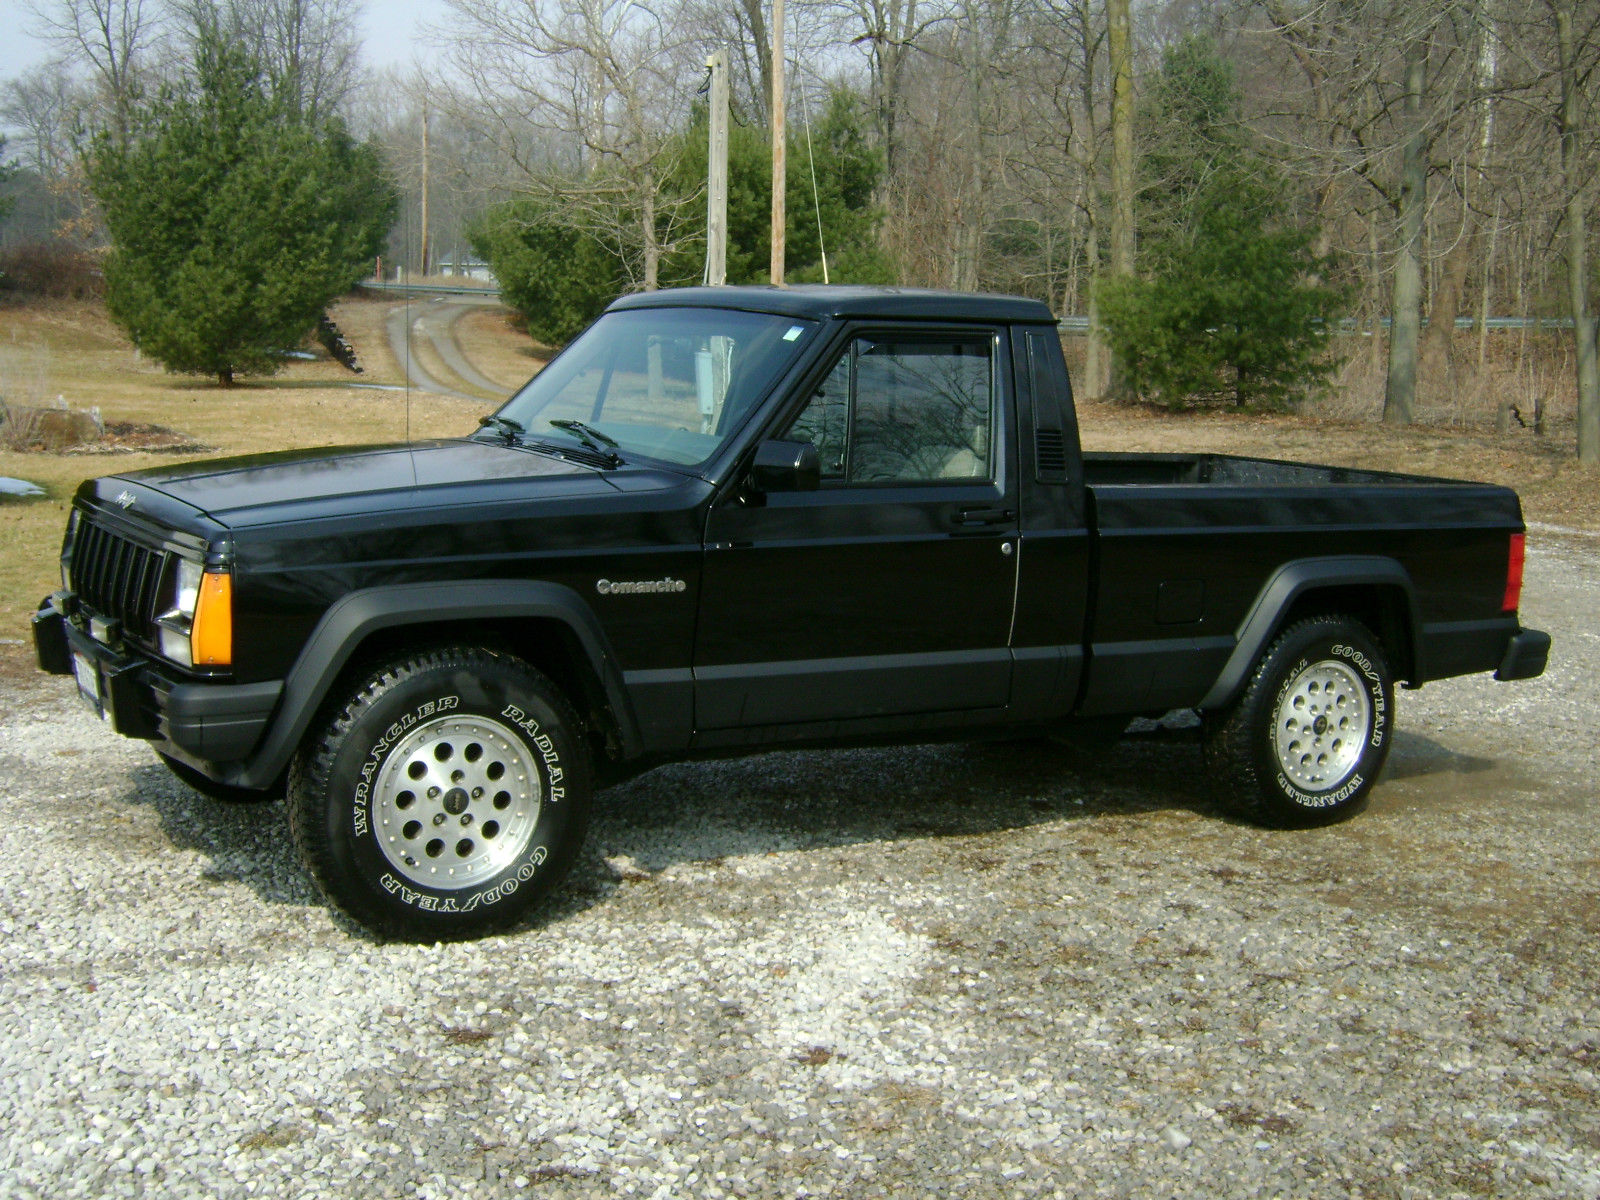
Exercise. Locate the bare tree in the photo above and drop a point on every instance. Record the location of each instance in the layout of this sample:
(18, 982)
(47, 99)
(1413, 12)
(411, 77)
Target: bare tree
(465, 171)
(308, 49)
(1575, 74)
(1384, 85)
(583, 100)
(739, 28)
(1410, 202)
(891, 33)
(1067, 109)
(110, 37)
(44, 106)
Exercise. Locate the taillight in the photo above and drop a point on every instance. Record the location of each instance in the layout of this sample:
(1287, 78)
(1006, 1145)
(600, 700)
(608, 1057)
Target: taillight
(1519, 554)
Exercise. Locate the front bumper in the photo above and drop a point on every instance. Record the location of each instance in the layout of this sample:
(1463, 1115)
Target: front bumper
(197, 722)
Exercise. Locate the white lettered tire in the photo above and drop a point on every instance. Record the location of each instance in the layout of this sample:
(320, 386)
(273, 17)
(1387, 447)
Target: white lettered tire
(444, 796)
(1306, 741)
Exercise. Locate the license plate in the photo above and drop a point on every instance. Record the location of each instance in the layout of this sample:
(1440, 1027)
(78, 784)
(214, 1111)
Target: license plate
(83, 669)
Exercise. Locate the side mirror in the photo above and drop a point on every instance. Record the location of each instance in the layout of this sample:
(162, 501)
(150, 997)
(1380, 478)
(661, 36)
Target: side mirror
(786, 467)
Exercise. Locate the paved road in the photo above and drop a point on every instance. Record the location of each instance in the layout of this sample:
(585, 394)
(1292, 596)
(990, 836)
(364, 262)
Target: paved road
(435, 319)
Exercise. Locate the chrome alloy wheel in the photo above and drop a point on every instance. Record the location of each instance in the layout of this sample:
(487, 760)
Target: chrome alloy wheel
(1324, 719)
(456, 801)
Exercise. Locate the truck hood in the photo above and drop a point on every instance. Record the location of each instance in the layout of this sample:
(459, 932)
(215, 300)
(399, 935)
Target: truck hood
(308, 484)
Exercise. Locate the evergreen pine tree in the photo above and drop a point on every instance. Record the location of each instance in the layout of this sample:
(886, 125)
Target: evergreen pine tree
(234, 220)
(7, 170)
(558, 276)
(1232, 305)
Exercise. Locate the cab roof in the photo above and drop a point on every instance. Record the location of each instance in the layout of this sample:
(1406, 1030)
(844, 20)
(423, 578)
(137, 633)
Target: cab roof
(821, 302)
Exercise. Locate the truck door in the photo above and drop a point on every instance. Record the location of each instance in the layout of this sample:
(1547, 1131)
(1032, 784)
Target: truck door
(889, 590)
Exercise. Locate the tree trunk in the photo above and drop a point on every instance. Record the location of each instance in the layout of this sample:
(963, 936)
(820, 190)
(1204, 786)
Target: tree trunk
(1438, 357)
(1583, 321)
(652, 241)
(1488, 288)
(1122, 165)
(225, 377)
(1094, 366)
(1400, 393)
(1374, 313)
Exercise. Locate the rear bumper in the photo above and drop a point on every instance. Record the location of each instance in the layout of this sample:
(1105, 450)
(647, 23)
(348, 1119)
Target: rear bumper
(1525, 656)
(198, 722)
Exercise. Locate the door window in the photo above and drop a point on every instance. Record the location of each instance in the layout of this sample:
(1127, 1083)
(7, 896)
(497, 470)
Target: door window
(905, 410)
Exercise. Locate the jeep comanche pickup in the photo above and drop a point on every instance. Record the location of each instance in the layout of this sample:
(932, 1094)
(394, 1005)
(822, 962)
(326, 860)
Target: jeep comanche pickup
(732, 519)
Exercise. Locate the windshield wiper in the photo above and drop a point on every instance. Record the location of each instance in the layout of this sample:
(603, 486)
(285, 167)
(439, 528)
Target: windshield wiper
(511, 430)
(600, 443)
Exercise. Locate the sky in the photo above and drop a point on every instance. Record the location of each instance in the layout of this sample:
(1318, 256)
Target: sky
(390, 31)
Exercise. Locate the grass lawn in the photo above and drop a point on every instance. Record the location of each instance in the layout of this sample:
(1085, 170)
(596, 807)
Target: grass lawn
(72, 350)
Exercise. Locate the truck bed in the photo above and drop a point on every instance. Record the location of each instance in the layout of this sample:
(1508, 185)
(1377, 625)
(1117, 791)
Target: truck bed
(1226, 469)
(1189, 546)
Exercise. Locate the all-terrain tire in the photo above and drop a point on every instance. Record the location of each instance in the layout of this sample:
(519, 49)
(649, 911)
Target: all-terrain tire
(1306, 740)
(443, 795)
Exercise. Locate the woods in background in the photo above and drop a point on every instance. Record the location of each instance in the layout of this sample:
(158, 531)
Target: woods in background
(1398, 164)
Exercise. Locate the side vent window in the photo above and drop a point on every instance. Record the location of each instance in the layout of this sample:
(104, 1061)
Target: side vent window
(1049, 439)
(1050, 455)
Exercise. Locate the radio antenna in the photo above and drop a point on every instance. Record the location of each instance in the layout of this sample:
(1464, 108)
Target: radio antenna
(406, 299)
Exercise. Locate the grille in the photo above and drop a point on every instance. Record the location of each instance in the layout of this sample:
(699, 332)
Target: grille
(1050, 454)
(117, 578)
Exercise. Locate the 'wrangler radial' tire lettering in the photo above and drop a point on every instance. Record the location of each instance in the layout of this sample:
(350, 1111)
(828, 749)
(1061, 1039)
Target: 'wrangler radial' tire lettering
(1305, 742)
(444, 796)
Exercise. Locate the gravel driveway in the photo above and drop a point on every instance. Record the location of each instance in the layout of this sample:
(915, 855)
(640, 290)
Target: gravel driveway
(993, 971)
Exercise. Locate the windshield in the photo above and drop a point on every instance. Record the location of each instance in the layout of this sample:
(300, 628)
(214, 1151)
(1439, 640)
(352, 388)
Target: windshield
(666, 383)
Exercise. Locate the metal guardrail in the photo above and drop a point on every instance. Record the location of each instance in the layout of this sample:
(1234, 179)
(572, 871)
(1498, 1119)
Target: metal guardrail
(434, 289)
(1351, 325)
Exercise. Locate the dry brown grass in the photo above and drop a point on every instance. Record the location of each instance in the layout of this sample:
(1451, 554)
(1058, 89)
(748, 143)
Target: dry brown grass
(70, 349)
(361, 320)
(494, 341)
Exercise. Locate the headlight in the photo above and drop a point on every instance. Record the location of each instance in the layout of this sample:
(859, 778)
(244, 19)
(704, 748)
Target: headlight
(197, 630)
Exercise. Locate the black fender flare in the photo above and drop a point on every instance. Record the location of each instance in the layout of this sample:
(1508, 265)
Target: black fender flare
(1277, 596)
(353, 618)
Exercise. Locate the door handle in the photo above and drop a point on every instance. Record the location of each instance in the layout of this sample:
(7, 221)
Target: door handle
(984, 516)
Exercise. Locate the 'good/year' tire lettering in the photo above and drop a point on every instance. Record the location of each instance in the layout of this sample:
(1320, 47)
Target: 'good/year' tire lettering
(445, 797)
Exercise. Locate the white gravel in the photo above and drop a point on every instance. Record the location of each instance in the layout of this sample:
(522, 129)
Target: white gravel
(993, 971)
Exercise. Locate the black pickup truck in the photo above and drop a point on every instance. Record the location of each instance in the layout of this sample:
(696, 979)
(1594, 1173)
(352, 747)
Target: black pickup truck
(732, 519)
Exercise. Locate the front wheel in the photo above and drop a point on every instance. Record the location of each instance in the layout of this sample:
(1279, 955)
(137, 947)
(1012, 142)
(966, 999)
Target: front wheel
(444, 796)
(1306, 741)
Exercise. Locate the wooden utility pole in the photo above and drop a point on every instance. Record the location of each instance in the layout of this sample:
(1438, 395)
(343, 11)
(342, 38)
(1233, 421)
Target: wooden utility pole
(779, 146)
(426, 247)
(717, 174)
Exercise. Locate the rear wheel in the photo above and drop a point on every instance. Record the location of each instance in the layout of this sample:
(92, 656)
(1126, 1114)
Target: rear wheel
(1307, 739)
(444, 796)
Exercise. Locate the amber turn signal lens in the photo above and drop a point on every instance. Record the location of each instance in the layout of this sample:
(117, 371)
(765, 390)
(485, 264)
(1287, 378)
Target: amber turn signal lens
(212, 637)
